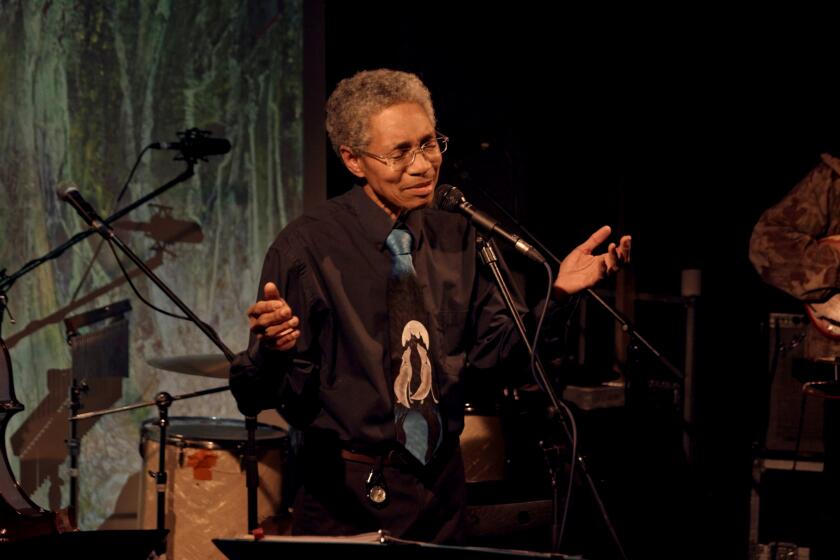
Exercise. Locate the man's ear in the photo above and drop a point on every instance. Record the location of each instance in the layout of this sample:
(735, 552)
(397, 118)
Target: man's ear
(351, 161)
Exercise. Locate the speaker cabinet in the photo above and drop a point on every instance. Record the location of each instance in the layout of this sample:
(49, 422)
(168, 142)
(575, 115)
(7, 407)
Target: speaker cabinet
(789, 370)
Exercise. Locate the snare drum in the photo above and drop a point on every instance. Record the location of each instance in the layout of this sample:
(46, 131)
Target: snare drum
(206, 497)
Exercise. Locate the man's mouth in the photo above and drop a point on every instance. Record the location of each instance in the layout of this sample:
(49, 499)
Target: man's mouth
(421, 188)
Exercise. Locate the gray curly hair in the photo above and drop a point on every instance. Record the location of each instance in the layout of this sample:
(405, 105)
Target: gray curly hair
(358, 98)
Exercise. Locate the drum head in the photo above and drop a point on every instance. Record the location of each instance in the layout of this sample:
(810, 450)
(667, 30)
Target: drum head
(210, 432)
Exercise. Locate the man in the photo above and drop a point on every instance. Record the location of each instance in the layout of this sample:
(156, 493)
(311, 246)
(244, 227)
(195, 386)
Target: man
(362, 345)
(795, 246)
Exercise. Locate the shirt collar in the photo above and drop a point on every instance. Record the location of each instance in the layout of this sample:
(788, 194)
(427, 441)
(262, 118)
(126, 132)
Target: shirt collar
(377, 224)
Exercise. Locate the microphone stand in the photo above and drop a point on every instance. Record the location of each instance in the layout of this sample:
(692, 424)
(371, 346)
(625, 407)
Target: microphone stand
(489, 258)
(626, 325)
(6, 282)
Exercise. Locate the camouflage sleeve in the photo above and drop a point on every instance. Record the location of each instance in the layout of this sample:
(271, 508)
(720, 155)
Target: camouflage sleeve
(785, 247)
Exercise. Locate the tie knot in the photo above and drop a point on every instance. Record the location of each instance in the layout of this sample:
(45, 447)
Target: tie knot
(399, 242)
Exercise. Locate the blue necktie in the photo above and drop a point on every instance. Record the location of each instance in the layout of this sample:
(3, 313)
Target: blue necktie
(416, 415)
(399, 243)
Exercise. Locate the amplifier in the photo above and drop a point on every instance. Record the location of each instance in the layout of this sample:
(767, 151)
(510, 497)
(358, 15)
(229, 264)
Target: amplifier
(786, 344)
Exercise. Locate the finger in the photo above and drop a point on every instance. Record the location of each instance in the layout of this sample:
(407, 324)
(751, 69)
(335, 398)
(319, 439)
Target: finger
(259, 324)
(624, 248)
(287, 346)
(270, 291)
(262, 307)
(274, 318)
(595, 239)
(612, 258)
(284, 328)
(286, 342)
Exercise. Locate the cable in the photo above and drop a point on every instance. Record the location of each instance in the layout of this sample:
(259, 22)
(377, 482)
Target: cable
(567, 410)
(113, 209)
(137, 292)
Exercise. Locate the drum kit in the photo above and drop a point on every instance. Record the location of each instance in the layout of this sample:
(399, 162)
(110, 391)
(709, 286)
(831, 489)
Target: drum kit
(197, 481)
(212, 453)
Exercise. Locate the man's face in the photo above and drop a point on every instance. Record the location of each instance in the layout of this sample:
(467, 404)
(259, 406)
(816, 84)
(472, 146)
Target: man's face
(398, 128)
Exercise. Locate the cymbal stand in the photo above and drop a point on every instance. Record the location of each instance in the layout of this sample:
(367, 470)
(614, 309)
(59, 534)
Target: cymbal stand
(162, 400)
(252, 479)
(73, 442)
(102, 227)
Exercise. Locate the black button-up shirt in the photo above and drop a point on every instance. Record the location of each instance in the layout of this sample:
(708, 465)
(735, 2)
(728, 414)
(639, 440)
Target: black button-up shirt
(332, 266)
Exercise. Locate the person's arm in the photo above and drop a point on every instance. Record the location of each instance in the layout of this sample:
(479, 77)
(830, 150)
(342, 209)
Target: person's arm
(785, 246)
(281, 340)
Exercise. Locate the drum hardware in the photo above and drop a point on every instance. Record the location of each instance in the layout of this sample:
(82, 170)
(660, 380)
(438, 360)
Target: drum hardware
(74, 444)
(73, 197)
(87, 350)
(205, 494)
(217, 366)
(162, 400)
(25, 516)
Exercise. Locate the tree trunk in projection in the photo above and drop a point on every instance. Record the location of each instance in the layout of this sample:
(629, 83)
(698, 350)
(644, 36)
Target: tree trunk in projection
(84, 86)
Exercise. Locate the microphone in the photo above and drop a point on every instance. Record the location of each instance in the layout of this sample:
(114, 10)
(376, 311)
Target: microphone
(69, 193)
(195, 144)
(451, 199)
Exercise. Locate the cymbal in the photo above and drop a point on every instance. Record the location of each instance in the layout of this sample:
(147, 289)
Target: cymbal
(823, 389)
(204, 365)
(826, 359)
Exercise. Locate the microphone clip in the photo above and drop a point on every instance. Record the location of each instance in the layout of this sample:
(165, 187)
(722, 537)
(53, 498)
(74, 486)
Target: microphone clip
(189, 139)
(189, 145)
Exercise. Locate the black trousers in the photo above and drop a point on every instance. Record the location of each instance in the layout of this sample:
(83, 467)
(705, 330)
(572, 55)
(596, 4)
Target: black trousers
(426, 503)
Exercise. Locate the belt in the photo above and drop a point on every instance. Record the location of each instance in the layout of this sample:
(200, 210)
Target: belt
(394, 457)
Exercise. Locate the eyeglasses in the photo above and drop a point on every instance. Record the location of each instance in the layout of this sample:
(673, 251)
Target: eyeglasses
(400, 160)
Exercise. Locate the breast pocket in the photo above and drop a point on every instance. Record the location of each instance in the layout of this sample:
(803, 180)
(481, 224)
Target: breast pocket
(452, 329)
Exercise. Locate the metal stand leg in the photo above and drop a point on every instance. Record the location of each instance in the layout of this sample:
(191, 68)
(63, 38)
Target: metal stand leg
(74, 444)
(162, 400)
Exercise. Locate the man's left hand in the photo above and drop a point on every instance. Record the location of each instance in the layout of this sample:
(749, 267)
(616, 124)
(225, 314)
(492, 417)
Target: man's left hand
(581, 269)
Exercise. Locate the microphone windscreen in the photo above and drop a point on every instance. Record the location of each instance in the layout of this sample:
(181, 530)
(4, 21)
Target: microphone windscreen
(215, 146)
(447, 197)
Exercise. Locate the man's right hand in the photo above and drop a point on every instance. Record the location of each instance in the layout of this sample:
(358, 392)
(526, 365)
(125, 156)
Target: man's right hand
(272, 322)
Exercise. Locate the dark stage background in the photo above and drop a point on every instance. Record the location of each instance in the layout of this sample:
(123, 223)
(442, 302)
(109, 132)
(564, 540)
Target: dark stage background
(679, 132)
